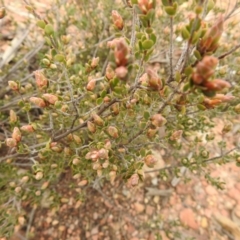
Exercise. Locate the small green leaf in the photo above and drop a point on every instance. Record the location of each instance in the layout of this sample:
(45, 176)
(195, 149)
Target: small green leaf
(137, 54)
(188, 71)
(151, 15)
(41, 24)
(146, 115)
(118, 89)
(165, 2)
(139, 35)
(153, 37)
(114, 82)
(48, 41)
(59, 58)
(209, 93)
(99, 101)
(147, 44)
(103, 93)
(196, 37)
(210, 5)
(197, 24)
(178, 76)
(186, 87)
(21, 103)
(149, 30)
(49, 29)
(197, 55)
(185, 33)
(143, 19)
(171, 10)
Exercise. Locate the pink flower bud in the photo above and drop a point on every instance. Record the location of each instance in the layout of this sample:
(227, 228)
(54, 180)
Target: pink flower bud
(76, 139)
(27, 128)
(112, 176)
(211, 103)
(75, 161)
(113, 132)
(96, 166)
(112, 44)
(153, 80)
(216, 85)
(144, 79)
(209, 42)
(107, 144)
(16, 134)
(2, 12)
(204, 69)
(97, 119)
(54, 146)
(158, 120)
(117, 20)
(105, 164)
(91, 85)
(50, 98)
(13, 85)
(151, 132)
(150, 161)
(91, 127)
(146, 5)
(121, 52)
(93, 155)
(13, 116)
(224, 98)
(39, 175)
(176, 135)
(94, 62)
(115, 108)
(11, 142)
(83, 183)
(121, 72)
(38, 101)
(133, 180)
(99, 172)
(41, 80)
(103, 153)
(110, 74)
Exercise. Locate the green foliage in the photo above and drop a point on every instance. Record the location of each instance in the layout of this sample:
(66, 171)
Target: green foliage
(96, 107)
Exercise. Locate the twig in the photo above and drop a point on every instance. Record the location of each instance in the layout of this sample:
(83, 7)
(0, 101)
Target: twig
(235, 7)
(171, 49)
(134, 20)
(84, 124)
(33, 10)
(30, 221)
(229, 52)
(72, 97)
(24, 154)
(194, 163)
(97, 44)
(26, 57)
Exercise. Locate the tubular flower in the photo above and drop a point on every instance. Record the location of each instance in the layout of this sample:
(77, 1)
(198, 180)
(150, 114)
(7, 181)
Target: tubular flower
(117, 20)
(41, 80)
(146, 5)
(121, 52)
(204, 69)
(209, 42)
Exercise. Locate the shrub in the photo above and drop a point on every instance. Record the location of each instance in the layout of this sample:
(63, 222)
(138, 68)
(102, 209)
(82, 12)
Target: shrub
(109, 87)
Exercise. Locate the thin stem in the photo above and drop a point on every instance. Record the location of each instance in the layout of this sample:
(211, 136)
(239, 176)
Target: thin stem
(72, 97)
(84, 124)
(171, 49)
(194, 163)
(134, 20)
(229, 52)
